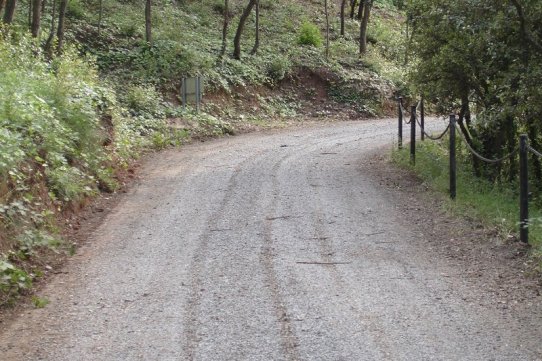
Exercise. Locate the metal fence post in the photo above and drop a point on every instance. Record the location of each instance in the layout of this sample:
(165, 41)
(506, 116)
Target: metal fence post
(422, 120)
(183, 92)
(413, 134)
(523, 190)
(198, 90)
(400, 124)
(453, 171)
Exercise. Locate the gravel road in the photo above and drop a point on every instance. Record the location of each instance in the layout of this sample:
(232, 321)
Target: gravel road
(271, 246)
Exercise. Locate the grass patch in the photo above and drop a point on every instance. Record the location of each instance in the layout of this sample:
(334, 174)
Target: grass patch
(494, 204)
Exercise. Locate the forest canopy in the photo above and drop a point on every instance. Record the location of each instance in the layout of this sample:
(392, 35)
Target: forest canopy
(484, 59)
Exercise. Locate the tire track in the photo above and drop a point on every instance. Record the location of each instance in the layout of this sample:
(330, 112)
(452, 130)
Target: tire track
(288, 337)
(327, 252)
(191, 339)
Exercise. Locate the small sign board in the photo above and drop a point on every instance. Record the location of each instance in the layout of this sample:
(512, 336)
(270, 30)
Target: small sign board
(192, 90)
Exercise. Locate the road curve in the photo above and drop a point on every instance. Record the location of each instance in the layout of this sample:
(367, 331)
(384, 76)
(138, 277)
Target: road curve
(264, 247)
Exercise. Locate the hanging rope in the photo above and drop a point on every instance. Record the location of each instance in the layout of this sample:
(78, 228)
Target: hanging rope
(481, 157)
(404, 114)
(429, 135)
(534, 151)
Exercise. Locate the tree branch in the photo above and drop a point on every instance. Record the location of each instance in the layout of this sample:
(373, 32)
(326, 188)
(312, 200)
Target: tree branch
(529, 36)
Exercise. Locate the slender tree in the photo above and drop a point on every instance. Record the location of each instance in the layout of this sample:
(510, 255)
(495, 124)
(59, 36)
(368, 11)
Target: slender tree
(36, 18)
(343, 10)
(240, 27)
(10, 11)
(2, 4)
(148, 22)
(526, 33)
(29, 14)
(352, 8)
(326, 12)
(257, 34)
(49, 43)
(225, 27)
(367, 5)
(100, 16)
(61, 21)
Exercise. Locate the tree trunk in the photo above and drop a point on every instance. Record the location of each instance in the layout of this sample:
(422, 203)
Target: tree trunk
(464, 123)
(360, 9)
(148, 23)
(225, 27)
(240, 27)
(257, 40)
(29, 14)
(2, 4)
(10, 11)
(367, 4)
(327, 28)
(100, 16)
(527, 34)
(352, 8)
(343, 9)
(36, 18)
(61, 20)
(49, 43)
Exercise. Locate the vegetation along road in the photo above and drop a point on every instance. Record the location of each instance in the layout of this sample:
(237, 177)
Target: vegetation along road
(269, 246)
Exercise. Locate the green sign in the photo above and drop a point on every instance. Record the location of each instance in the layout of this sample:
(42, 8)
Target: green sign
(191, 91)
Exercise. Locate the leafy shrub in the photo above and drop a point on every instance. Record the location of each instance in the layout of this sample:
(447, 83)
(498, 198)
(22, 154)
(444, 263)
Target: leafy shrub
(144, 101)
(279, 67)
(31, 239)
(309, 34)
(75, 9)
(218, 6)
(129, 30)
(164, 62)
(12, 280)
(50, 127)
(69, 183)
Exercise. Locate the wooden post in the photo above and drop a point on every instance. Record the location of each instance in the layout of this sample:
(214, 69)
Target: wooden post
(422, 120)
(453, 172)
(413, 134)
(183, 92)
(198, 90)
(400, 124)
(523, 190)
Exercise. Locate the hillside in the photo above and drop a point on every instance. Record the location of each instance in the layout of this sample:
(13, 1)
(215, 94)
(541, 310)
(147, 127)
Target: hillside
(187, 41)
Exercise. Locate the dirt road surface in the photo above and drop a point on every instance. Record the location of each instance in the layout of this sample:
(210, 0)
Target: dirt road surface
(272, 246)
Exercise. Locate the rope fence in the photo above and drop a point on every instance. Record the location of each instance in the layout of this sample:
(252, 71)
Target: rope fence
(534, 151)
(452, 128)
(439, 137)
(481, 157)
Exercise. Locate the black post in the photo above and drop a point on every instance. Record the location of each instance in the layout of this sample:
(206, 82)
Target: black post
(400, 136)
(523, 190)
(198, 90)
(453, 172)
(422, 120)
(183, 92)
(413, 134)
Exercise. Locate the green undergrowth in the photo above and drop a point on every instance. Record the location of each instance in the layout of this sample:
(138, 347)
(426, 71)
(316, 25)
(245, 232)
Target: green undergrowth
(494, 204)
(64, 135)
(287, 43)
